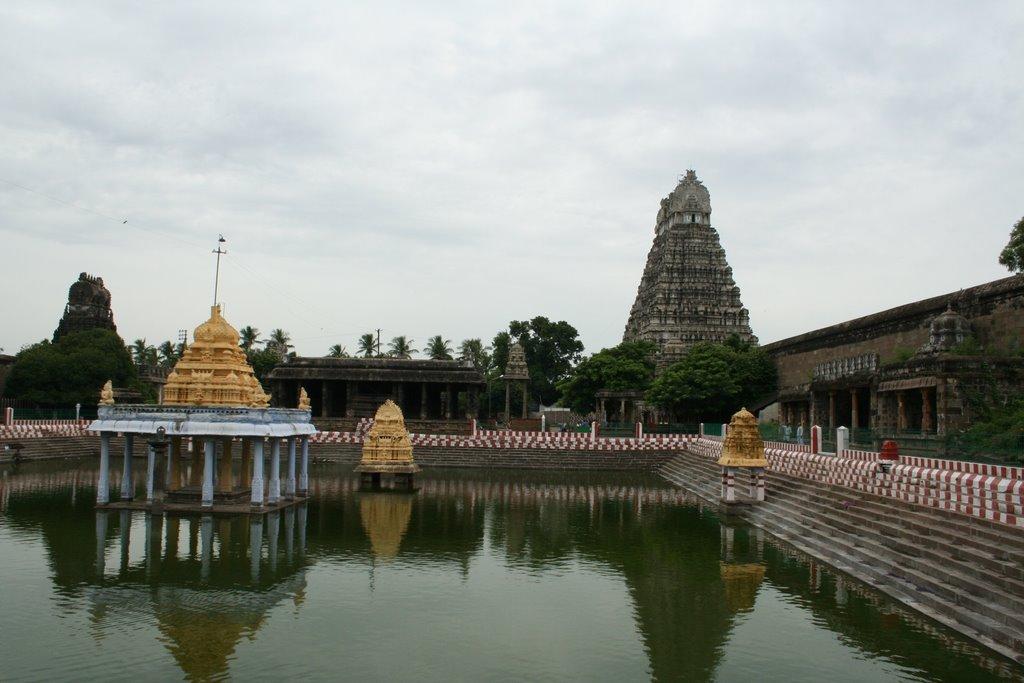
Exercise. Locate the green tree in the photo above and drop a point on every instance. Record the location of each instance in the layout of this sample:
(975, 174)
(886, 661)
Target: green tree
(439, 348)
(248, 337)
(712, 381)
(263, 361)
(368, 345)
(280, 342)
(474, 351)
(552, 349)
(401, 347)
(628, 366)
(168, 354)
(338, 351)
(1012, 255)
(143, 353)
(72, 370)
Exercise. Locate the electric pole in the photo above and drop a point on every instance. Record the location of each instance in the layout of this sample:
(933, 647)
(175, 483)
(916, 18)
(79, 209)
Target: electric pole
(378, 341)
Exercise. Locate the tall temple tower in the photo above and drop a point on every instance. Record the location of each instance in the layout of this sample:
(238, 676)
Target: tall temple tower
(687, 293)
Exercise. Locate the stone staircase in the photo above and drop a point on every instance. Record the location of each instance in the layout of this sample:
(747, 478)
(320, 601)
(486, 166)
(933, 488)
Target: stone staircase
(965, 573)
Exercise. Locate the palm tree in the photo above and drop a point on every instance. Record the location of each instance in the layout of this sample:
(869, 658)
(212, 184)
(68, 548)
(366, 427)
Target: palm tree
(337, 351)
(400, 347)
(168, 354)
(143, 353)
(248, 337)
(474, 351)
(280, 341)
(439, 348)
(367, 345)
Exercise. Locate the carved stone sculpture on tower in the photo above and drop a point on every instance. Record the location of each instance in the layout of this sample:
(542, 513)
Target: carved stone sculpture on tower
(687, 293)
(88, 307)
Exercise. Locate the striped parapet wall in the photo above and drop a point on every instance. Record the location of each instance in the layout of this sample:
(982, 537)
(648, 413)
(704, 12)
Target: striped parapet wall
(973, 489)
(39, 429)
(527, 440)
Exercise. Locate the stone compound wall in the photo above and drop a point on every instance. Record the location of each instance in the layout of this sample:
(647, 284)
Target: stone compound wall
(995, 311)
(986, 491)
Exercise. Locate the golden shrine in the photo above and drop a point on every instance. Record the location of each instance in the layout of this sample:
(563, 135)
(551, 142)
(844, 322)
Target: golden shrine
(213, 371)
(743, 448)
(387, 450)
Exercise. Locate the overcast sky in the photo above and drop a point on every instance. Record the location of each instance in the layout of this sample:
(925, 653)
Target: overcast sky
(445, 169)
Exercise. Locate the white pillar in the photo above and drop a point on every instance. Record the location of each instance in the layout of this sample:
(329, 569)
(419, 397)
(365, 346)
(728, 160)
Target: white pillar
(257, 474)
(289, 482)
(728, 484)
(842, 440)
(208, 457)
(756, 491)
(150, 472)
(103, 486)
(127, 485)
(274, 492)
(304, 468)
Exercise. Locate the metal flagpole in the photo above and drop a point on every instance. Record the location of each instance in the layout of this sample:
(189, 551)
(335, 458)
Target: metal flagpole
(216, 278)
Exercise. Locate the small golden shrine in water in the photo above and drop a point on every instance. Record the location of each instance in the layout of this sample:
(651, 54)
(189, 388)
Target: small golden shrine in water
(387, 450)
(213, 371)
(743, 448)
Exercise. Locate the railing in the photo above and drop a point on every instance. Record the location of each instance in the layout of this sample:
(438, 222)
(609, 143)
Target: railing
(672, 428)
(86, 413)
(619, 429)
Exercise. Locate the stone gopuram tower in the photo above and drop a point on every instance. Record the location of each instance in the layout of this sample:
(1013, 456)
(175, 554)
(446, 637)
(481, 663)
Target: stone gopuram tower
(88, 307)
(687, 293)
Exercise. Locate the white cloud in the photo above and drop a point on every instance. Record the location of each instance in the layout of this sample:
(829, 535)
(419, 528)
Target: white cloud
(446, 169)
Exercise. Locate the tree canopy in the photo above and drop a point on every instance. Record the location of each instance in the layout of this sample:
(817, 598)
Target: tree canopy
(1012, 255)
(71, 370)
(401, 347)
(630, 365)
(713, 381)
(439, 348)
(367, 345)
(552, 349)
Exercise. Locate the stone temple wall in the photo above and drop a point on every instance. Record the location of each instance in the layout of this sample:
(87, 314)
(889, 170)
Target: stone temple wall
(995, 311)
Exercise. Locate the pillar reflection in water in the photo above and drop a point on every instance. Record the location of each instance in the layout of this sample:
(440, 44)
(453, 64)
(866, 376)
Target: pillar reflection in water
(273, 524)
(101, 541)
(255, 546)
(126, 531)
(206, 532)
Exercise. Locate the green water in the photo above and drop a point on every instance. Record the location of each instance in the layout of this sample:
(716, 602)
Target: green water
(478, 576)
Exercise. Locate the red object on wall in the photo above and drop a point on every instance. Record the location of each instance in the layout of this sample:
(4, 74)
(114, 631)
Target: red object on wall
(890, 451)
(815, 444)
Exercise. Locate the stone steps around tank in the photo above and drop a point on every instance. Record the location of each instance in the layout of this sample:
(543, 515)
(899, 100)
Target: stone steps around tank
(921, 570)
(51, 447)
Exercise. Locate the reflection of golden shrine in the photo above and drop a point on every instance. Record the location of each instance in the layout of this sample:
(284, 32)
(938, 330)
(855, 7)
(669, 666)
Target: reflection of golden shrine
(213, 371)
(387, 451)
(743, 448)
(385, 519)
(741, 583)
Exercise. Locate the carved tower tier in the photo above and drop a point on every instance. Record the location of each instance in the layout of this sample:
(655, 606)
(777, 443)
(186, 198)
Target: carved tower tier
(687, 293)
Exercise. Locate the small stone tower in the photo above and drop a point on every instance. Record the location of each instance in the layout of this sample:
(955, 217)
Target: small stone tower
(88, 307)
(687, 293)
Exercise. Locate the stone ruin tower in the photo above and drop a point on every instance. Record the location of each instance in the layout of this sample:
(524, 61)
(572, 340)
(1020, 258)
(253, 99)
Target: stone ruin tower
(88, 307)
(687, 293)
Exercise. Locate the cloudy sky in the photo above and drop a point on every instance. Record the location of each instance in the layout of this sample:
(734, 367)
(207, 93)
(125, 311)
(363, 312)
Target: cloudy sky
(444, 169)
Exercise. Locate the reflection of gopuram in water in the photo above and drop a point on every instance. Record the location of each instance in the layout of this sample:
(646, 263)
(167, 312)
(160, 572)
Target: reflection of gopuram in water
(691, 576)
(385, 518)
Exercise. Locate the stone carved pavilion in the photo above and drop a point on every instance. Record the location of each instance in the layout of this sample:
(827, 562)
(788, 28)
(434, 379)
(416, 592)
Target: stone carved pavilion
(88, 307)
(687, 293)
(212, 403)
